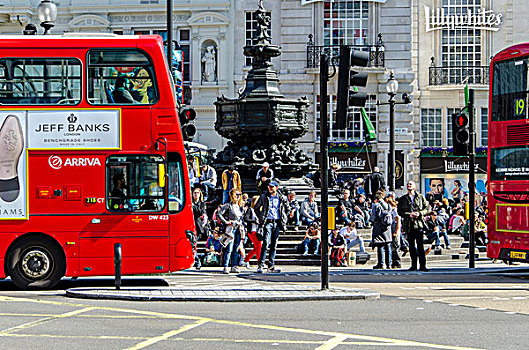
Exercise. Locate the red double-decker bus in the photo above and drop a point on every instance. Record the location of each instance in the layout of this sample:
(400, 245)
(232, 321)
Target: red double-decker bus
(508, 178)
(91, 154)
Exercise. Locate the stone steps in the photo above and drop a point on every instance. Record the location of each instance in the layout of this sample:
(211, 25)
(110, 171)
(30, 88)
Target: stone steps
(287, 253)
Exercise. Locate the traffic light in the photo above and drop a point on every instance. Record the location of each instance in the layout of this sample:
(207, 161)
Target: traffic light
(348, 82)
(460, 134)
(188, 130)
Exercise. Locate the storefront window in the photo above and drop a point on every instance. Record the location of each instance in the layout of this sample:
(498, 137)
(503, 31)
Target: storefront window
(345, 22)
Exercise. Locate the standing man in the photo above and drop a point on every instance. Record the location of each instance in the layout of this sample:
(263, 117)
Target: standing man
(230, 179)
(412, 208)
(263, 178)
(273, 210)
(207, 179)
(373, 183)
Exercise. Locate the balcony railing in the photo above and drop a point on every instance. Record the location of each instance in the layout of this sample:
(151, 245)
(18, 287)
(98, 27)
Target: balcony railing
(376, 52)
(459, 75)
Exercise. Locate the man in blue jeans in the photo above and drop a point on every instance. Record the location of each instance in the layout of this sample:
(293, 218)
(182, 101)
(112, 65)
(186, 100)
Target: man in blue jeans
(273, 210)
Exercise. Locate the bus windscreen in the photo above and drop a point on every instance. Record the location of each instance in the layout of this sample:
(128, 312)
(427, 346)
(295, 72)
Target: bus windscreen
(509, 90)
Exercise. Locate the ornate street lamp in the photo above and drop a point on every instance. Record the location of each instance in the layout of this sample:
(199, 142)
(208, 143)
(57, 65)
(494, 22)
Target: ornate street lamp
(47, 12)
(391, 87)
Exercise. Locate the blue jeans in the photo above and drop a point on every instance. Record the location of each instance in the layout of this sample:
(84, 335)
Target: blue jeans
(306, 220)
(295, 219)
(271, 234)
(225, 196)
(384, 253)
(229, 258)
(435, 236)
(311, 243)
(357, 241)
(206, 186)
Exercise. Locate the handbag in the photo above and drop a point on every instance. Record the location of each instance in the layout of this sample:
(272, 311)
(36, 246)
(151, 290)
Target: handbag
(211, 259)
(260, 234)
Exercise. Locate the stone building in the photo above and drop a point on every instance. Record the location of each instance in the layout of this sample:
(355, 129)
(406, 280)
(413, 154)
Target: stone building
(453, 42)
(432, 59)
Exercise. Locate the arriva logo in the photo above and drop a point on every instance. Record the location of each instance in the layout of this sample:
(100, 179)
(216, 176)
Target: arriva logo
(56, 162)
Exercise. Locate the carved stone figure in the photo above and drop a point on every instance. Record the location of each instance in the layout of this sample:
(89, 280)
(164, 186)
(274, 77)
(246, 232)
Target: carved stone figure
(209, 60)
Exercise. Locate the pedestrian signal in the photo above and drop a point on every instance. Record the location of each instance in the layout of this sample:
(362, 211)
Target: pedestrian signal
(460, 134)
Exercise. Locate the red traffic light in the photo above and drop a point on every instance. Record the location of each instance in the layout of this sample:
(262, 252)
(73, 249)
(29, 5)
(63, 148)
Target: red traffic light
(187, 114)
(462, 120)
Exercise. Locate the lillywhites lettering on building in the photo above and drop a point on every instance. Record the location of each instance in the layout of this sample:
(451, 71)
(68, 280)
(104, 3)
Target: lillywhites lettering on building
(80, 129)
(451, 166)
(355, 163)
(480, 19)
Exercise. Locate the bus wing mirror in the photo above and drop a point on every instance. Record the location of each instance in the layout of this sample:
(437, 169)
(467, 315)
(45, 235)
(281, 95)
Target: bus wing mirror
(161, 175)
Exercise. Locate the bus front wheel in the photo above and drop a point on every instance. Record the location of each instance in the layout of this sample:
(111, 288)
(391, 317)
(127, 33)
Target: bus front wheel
(36, 262)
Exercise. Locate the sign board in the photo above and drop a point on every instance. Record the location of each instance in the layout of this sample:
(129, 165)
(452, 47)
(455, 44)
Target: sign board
(73, 129)
(399, 131)
(13, 165)
(484, 19)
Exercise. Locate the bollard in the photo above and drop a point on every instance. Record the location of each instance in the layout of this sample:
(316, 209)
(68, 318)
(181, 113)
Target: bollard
(117, 265)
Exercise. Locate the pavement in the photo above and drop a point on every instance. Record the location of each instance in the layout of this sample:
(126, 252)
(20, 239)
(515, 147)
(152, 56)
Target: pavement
(209, 284)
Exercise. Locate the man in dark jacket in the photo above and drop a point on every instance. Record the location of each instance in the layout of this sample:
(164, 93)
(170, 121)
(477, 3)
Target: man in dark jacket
(373, 183)
(412, 208)
(272, 209)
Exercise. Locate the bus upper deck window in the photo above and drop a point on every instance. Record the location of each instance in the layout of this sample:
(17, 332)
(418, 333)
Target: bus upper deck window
(40, 81)
(120, 77)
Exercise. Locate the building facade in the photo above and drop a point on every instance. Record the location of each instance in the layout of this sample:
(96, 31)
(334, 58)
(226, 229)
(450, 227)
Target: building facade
(427, 43)
(453, 42)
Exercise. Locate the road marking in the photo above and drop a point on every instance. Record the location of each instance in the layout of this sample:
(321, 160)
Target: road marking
(168, 335)
(362, 339)
(45, 320)
(332, 343)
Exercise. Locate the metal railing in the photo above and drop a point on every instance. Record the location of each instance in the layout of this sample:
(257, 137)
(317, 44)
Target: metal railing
(459, 75)
(376, 52)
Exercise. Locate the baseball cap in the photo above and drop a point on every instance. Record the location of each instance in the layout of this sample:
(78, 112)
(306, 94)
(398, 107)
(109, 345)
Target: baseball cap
(273, 183)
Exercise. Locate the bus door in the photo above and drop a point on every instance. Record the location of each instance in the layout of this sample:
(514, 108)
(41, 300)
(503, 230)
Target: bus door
(137, 219)
(181, 224)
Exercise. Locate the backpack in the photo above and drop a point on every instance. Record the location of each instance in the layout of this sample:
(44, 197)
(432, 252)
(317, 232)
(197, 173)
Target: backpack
(386, 217)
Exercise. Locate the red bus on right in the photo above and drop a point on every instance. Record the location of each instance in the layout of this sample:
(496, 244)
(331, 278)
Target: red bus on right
(508, 156)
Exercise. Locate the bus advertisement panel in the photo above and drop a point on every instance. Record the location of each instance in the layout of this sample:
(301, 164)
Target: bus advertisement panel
(13, 166)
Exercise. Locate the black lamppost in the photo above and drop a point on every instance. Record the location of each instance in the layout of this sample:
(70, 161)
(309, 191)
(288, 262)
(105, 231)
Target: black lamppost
(391, 87)
(47, 13)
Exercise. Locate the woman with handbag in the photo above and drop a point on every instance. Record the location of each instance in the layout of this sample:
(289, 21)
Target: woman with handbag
(251, 220)
(231, 215)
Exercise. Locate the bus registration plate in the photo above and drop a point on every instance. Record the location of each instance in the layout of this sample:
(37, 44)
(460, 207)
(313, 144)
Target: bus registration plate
(518, 255)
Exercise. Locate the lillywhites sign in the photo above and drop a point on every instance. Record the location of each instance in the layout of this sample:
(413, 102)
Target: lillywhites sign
(451, 166)
(74, 129)
(354, 163)
(481, 19)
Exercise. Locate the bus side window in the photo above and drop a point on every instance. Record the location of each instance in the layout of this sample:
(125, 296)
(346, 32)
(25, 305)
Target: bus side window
(120, 76)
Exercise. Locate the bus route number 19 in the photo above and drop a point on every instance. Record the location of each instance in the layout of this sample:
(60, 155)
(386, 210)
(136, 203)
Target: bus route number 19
(520, 106)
